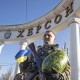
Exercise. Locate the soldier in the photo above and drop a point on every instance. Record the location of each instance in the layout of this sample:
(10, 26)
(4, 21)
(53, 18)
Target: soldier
(30, 66)
(49, 46)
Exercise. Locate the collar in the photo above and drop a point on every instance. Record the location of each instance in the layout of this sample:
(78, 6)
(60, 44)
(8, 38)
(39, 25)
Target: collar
(53, 46)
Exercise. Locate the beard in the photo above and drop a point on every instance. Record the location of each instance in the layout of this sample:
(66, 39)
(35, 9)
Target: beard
(46, 41)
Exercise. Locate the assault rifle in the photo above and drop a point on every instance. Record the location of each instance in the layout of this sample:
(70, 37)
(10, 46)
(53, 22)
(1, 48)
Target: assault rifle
(37, 60)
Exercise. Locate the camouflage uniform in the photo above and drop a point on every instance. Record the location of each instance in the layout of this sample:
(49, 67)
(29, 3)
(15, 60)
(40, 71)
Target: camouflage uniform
(43, 52)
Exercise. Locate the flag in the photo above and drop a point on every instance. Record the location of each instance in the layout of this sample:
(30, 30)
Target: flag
(22, 55)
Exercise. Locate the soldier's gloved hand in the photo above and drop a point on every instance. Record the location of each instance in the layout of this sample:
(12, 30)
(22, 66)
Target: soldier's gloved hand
(58, 76)
(42, 76)
(61, 77)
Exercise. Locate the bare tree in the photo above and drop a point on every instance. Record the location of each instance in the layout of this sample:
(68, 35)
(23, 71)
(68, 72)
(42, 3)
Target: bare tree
(8, 75)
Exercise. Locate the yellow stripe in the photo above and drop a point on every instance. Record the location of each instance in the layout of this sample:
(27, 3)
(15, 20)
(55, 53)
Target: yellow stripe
(21, 59)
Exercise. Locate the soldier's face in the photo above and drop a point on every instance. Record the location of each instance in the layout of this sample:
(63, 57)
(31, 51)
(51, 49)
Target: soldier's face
(49, 38)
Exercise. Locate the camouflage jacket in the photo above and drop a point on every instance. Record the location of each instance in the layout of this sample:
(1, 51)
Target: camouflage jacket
(43, 52)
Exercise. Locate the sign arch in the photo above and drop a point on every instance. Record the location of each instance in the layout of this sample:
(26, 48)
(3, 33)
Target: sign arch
(66, 14)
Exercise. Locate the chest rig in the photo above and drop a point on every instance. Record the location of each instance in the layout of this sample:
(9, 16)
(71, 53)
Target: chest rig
(45, 50)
